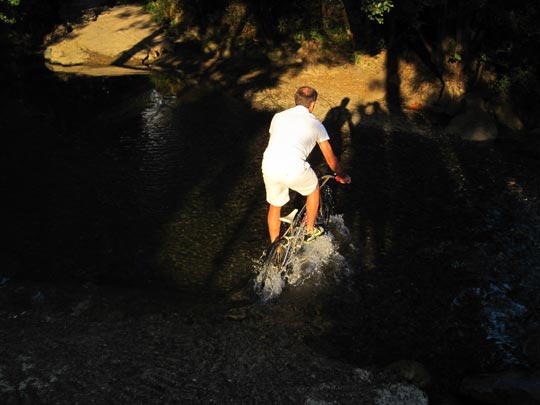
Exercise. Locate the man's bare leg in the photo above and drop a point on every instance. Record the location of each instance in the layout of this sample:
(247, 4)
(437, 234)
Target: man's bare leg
(274, 223)
(312, 205)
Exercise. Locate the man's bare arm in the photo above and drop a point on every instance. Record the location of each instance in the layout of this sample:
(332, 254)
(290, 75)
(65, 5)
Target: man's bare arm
(333, 161)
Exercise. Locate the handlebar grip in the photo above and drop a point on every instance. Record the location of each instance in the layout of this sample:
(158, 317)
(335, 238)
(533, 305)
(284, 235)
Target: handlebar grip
(338, 179)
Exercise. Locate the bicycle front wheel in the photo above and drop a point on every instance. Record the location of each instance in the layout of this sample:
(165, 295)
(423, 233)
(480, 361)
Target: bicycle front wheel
(326, 206)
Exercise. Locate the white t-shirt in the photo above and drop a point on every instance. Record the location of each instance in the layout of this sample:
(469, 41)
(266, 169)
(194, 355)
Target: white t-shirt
(293, 135)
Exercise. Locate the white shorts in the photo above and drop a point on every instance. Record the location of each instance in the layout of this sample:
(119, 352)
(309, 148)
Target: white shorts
(278, 183)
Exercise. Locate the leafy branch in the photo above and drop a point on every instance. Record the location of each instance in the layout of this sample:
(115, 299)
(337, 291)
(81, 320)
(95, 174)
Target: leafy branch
(376, 9)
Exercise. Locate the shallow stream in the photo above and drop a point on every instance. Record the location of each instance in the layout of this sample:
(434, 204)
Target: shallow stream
(116, 181)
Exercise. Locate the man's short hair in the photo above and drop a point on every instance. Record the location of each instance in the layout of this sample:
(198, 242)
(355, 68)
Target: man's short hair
(305, 95)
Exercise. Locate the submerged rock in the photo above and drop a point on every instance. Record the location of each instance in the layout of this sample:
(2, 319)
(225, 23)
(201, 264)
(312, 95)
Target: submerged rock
(401, 394)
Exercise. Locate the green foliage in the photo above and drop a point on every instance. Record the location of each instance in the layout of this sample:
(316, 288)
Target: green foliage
(501, 85)
(312, 35)
(520, 84)
(357, 57)
(282, 26)
(377, 9)
(6, 8)
(525, 81)
(167, 82)
(340, 37)
(454, 57)
(165, 12)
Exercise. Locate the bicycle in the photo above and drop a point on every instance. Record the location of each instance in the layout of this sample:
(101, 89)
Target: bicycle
(282, 252)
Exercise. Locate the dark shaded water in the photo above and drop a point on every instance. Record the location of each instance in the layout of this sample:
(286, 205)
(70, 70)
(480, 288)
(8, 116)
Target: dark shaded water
(111, 180)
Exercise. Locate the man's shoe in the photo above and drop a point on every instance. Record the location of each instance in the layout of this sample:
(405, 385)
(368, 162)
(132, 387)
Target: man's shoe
(314, 234)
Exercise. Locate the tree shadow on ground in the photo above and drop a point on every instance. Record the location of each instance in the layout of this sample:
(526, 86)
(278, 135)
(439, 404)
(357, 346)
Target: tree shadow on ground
(419, 211)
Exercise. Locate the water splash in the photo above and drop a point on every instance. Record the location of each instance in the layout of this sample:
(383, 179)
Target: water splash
(268, 285)
(318, 263)
(500, 315)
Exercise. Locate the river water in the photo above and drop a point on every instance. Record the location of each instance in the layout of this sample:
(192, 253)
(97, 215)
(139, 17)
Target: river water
(119, 180)
(115, 180)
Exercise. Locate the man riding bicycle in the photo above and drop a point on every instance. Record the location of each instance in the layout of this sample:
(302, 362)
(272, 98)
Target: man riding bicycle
(293, 135)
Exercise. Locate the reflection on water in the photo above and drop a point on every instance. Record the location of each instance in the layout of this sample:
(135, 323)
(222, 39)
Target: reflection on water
(115, 180)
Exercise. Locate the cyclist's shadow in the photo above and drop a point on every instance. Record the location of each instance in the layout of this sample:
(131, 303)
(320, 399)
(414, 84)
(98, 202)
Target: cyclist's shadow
(334, 121)
(338, 123)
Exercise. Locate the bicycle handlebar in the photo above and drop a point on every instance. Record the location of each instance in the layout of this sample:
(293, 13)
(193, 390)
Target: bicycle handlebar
(324, 179)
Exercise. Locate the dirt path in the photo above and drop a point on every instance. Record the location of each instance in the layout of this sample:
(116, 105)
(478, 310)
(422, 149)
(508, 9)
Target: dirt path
(124, 40)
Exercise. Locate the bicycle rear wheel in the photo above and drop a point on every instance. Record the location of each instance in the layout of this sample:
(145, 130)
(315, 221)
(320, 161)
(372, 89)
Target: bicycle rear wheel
(277, 255)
